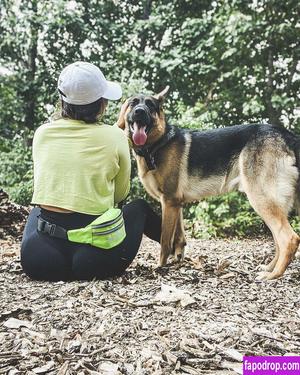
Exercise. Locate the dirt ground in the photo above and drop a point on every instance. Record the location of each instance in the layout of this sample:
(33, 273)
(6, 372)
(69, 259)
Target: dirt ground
(199, 317)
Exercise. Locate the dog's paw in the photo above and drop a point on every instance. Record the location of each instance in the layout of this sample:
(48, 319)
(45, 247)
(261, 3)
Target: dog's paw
(262, 267)
(179, 255)
(178, 258)
(262, 276)
(265, 276)
(267, 268)
(162, 261)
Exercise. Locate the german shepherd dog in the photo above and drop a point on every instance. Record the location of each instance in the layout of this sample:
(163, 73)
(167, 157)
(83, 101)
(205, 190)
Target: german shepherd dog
(178, 166)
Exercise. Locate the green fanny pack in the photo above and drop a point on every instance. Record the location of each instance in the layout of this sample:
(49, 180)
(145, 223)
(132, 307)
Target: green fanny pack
(107, 231)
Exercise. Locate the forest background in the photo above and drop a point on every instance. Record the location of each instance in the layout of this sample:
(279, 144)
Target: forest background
(227, 62)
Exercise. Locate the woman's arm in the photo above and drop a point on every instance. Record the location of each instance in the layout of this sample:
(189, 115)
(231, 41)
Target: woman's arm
(122, 180)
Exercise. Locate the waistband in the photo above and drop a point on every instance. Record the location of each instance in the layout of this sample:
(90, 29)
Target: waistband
(68, 221)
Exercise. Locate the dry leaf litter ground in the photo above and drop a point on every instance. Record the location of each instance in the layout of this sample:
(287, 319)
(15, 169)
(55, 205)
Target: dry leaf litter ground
(197, 318)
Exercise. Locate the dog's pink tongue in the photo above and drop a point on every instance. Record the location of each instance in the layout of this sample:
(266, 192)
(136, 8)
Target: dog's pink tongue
(139, 135)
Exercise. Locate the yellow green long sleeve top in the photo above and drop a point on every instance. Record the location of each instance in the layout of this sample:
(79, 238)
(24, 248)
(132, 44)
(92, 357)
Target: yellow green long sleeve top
(80, 167)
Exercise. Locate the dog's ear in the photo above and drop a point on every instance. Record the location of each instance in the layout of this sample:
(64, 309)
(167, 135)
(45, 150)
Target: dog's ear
(121, 120)
(161, 96)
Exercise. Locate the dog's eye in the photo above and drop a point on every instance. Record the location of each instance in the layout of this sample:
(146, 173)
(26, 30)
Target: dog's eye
(134, 102)
(150, 104)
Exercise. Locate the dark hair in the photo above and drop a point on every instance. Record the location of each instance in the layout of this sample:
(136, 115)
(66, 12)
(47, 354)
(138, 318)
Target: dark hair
(88, 113)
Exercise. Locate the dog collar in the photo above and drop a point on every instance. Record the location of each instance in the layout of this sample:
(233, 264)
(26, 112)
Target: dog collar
(148, 153)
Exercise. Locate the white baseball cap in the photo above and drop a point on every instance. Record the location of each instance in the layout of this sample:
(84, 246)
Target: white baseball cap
(83, 83)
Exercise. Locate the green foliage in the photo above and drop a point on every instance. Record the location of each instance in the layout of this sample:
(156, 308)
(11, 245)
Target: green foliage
(227, 62)
(194, 117)
(137, 191)
(223, 216)
(11, 108)
(237, 60)
(16, 173)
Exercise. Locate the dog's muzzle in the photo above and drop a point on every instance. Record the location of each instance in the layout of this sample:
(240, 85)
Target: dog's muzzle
(140, 120)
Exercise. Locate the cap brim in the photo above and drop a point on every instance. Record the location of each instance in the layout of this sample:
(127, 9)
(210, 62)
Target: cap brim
(113, 91)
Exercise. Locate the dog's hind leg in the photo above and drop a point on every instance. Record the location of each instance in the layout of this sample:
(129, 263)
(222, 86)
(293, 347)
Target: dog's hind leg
(269, 178)
(287, 240)
(170, 216)
(270, 266)
(179, 239)
(288, 245)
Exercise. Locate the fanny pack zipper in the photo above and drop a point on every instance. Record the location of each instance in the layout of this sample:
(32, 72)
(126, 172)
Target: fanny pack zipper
(109, 231)
(107, 223)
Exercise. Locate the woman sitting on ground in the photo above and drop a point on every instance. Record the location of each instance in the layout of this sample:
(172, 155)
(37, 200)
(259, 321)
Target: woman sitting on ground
(81, 171)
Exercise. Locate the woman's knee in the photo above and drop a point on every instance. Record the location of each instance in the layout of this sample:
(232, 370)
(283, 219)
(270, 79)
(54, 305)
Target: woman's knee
(134, 217)
(136, 209)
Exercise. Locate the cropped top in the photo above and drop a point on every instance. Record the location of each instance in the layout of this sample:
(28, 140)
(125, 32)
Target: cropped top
(80, 167)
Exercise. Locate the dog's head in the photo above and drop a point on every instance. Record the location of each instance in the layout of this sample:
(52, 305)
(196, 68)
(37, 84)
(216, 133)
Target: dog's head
(143, 119)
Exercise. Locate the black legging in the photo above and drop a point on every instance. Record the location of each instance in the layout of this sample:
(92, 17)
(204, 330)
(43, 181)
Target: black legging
(48, 258)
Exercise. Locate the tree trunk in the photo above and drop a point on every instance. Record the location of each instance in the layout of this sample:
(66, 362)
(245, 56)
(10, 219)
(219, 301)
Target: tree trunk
(273, 113)
(145, 17)
(30, 94)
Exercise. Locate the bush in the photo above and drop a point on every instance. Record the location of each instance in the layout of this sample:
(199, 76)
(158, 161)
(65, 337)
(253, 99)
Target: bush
(16, 169)
(224, 216)
(229, 215)
(196, 117)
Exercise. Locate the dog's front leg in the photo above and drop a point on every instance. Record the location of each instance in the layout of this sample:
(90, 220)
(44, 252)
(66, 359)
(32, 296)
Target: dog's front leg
(170, 215)
(179, 239)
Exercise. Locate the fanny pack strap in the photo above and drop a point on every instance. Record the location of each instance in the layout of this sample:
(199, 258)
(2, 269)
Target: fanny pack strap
(52, 230)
